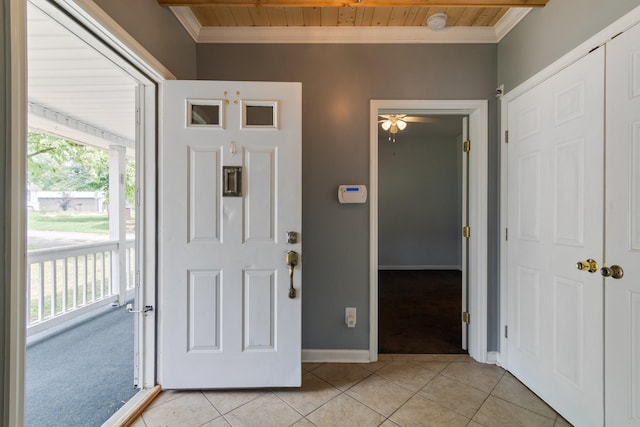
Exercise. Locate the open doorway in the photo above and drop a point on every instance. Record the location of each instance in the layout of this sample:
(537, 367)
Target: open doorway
(477, 129)
(82, 260)
(421, 248)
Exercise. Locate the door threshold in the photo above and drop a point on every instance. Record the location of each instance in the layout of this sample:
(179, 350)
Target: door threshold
(131, 410)
(384, 357)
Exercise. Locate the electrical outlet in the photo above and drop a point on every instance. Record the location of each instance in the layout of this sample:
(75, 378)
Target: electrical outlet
(350, 317)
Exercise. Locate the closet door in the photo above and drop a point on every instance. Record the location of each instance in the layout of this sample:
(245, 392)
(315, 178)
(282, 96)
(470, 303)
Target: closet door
(555, 219)
(622, 296)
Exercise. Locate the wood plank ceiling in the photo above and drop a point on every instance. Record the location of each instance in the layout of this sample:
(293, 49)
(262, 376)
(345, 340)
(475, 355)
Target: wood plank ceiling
(336, 13)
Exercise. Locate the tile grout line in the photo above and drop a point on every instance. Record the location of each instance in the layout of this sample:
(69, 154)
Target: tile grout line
(520, 406)
(488, 396)
(414, 393)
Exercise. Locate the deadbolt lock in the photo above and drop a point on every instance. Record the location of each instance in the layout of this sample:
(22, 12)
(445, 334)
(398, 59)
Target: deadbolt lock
(589, 265)
(292, 237)
(615, 272)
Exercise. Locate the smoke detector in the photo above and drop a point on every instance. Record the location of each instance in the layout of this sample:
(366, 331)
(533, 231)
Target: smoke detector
(437, 21)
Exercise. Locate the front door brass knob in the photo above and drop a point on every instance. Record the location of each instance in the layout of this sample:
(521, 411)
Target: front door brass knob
(589, 265)
(615, 271)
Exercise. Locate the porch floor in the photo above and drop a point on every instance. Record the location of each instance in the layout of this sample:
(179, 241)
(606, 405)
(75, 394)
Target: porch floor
(81, 374)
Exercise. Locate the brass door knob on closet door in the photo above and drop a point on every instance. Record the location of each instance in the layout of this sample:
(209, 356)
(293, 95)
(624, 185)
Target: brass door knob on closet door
(615, 271)
(589, 265)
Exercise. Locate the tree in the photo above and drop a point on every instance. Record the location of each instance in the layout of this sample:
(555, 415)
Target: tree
(56, 164)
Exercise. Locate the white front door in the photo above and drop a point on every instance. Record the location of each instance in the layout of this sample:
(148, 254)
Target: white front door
(555, 217)
(230, 192)
(622, 296)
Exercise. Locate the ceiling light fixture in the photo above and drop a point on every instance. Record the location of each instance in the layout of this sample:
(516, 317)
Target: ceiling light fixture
(393, 124)
(437, 21)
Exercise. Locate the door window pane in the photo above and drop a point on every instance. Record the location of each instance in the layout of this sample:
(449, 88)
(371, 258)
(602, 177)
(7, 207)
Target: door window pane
(204, 113)
(261, 114)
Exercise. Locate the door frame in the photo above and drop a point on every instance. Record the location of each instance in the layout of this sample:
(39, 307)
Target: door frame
(624, 23)
(151, 73)
(478, 112)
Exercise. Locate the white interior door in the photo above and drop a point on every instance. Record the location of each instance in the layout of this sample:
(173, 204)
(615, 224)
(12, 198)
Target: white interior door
(555, 217)
(622, 296)
(226, 318)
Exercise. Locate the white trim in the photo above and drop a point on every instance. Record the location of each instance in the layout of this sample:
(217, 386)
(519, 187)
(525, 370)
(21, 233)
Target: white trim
(103, 25)
(504, 155)
(16, 298)
(478, 112)
(619, 26)
(188, 21)
(67, 127)
(335, 356)
(361, 35)
(492, 357)
(624, 23)
(420, 267)
(510, 20)
(69, 320)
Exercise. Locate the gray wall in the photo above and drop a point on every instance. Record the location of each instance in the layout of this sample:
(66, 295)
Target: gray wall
(419, 204)
(548, 33)
(338, 81)
(157, 29)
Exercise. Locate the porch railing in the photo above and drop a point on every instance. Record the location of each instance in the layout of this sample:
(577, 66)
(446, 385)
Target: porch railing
(69, 281)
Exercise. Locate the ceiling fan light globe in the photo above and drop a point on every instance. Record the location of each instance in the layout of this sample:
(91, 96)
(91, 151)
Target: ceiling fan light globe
(401, 124)
(386, 124)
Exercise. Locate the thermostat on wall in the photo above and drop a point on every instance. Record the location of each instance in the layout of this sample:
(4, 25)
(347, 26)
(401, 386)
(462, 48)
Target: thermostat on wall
(352, 193)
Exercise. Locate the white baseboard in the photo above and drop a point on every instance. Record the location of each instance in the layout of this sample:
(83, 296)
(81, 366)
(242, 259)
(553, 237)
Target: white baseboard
(500, 361)
(493, 357)
(420, 267)
(335, 356)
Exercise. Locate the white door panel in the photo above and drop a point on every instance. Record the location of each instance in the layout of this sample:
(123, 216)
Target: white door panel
(622, 296)
(225, 317)
(555, 217)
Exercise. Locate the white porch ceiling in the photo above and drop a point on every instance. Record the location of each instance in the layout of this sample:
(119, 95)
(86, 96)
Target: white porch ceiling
(73, 90)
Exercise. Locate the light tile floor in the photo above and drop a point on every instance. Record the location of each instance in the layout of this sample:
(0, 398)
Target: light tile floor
(398, 390)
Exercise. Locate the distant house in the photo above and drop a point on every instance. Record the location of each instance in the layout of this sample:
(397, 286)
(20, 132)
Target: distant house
(79, 201)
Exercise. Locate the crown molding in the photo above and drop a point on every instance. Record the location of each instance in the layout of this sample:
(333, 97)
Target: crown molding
(347, 35)
(510, 20)
(188, 21)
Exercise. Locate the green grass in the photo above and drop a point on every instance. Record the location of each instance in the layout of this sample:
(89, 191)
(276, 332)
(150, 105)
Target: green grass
(79, 222)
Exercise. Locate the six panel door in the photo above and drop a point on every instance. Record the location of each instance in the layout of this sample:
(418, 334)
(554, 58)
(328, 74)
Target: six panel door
(555, 217)
(230, 191)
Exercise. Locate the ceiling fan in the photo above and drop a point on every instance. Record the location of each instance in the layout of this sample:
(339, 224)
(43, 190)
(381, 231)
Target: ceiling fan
(393, 123)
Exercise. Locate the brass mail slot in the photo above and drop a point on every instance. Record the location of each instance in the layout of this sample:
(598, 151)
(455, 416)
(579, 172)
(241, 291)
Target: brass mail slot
(232, 181)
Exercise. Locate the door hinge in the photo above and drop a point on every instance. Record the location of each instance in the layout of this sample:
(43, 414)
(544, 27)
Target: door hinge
(466, 147)
(506, 136)
(137, 197)
(137, 116)
(506, 234)
(466, 317)
(137, 278)
(466, 231)
(506, 331)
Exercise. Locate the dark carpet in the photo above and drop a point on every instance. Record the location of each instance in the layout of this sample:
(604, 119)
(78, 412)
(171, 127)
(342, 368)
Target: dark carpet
(419, 312)
(83, 375)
